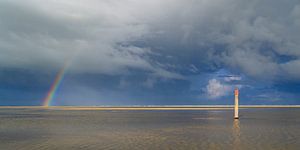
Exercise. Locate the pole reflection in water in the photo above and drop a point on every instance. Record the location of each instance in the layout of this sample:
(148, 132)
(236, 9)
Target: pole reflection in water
(236, 134)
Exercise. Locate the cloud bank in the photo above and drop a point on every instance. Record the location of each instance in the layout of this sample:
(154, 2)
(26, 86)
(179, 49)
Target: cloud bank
(112, 36)
(155, 42)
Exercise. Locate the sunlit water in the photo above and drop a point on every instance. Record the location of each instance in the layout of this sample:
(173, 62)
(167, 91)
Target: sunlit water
(258, 128)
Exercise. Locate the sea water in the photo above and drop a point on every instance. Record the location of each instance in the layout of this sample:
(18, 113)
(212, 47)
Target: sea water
(257, 128)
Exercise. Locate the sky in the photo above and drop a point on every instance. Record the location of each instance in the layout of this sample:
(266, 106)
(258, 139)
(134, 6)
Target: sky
(141, 52)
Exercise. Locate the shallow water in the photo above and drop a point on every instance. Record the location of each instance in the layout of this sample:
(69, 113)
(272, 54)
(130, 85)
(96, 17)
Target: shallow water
(257, 128)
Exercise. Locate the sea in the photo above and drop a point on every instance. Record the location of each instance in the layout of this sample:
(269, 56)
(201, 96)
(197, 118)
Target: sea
(215, 129)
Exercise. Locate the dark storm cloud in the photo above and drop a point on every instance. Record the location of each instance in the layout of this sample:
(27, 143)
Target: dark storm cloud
(250, 37)
(144, 45)
(38, 34)
(258, 38)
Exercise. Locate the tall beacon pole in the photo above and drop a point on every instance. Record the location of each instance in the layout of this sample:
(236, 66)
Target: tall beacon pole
(236, 104)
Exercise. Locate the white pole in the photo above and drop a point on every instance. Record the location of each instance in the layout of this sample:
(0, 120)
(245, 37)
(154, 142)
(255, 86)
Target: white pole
(236, 104)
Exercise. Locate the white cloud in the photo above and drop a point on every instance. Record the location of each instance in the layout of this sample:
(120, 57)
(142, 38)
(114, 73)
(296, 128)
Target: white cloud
(216, 89)
(232, 78)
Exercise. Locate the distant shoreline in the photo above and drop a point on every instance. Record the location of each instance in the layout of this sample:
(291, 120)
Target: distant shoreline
(150, 107)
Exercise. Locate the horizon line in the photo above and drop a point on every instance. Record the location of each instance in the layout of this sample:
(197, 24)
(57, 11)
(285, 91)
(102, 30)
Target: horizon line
(151, 107)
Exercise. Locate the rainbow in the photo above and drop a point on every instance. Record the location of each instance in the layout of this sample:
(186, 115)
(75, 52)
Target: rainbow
(58, 79)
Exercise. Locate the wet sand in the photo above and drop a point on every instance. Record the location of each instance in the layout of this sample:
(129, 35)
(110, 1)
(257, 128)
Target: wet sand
(189, 128)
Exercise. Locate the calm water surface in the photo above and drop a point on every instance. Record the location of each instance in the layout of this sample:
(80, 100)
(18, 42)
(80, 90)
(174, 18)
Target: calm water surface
(257, 128)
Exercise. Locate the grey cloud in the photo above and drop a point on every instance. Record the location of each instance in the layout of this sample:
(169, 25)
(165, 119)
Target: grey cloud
(38, 34)
(112, 37)
(257, 38)
(291, 69)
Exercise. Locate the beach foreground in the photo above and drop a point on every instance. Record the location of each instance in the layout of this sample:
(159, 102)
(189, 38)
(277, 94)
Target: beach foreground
(208, 128)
